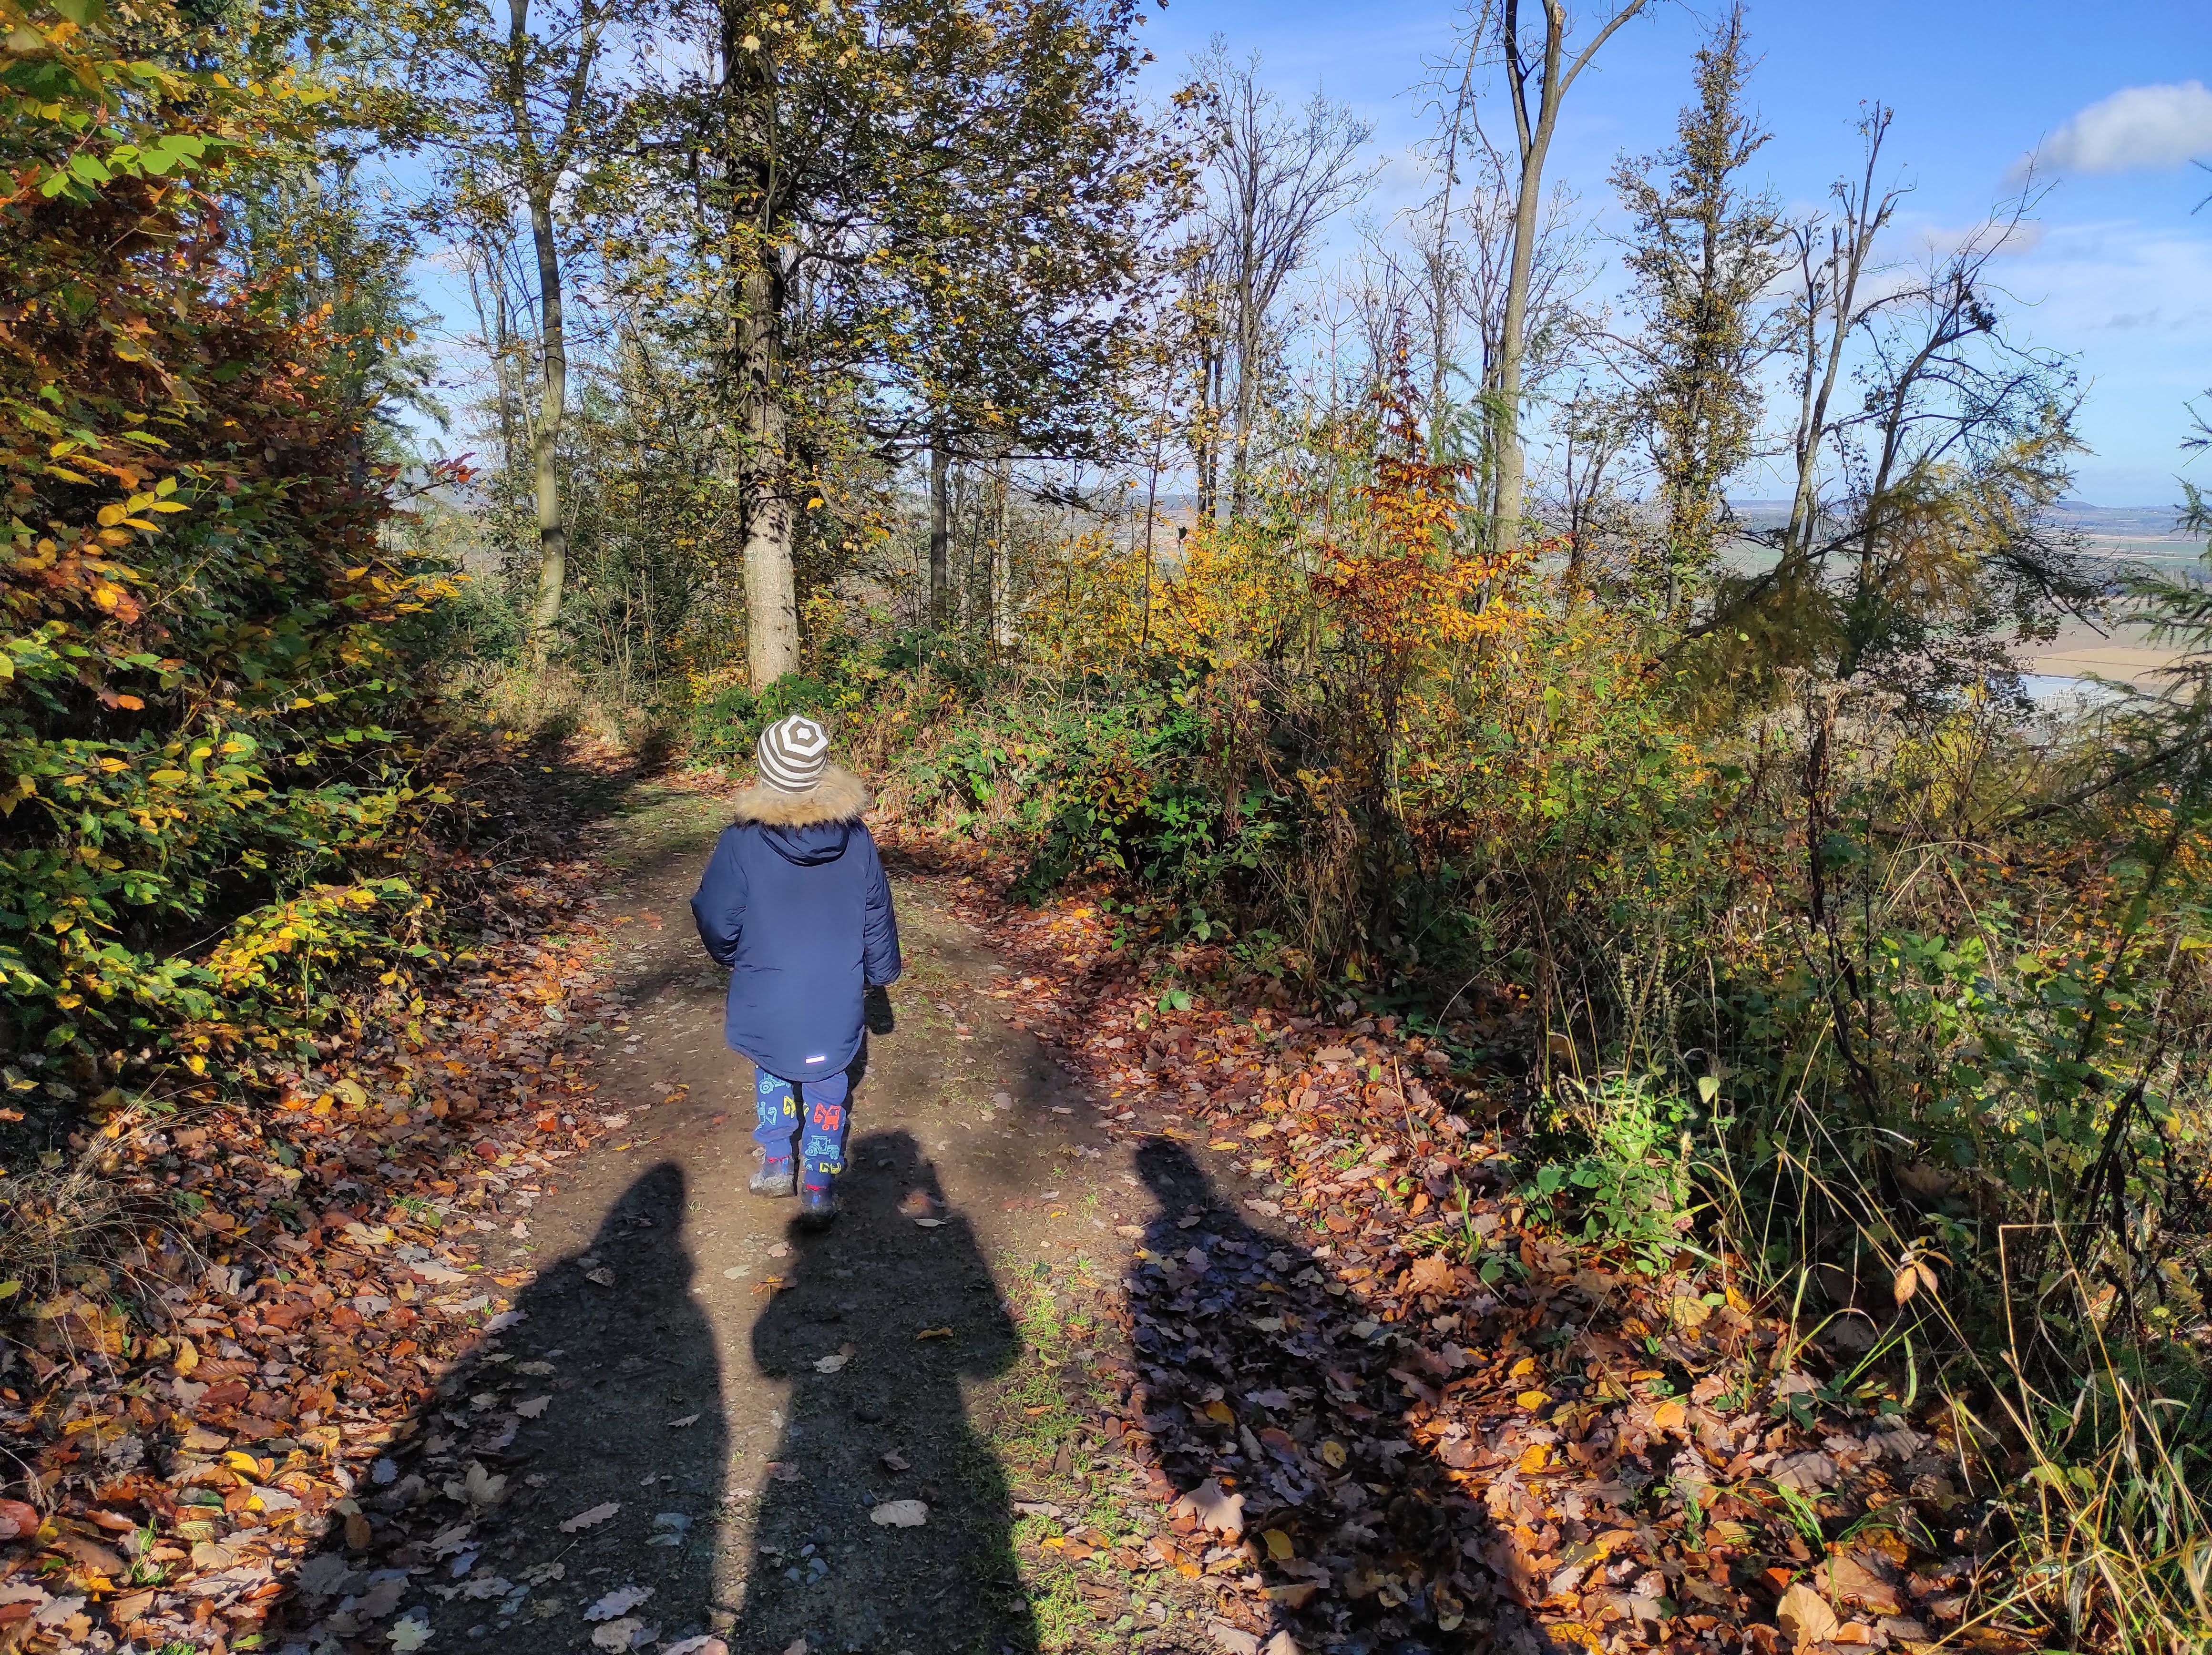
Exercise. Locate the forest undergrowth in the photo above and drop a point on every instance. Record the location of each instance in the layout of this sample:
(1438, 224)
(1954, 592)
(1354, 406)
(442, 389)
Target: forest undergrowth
(1884, 1015)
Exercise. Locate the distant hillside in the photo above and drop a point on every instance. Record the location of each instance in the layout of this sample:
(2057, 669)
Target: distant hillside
(2132, 533)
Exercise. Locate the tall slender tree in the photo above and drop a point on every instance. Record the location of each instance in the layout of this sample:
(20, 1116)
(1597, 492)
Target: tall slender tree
(1539, 75)
(518, 105)
(1274, 177)
(1704, 253)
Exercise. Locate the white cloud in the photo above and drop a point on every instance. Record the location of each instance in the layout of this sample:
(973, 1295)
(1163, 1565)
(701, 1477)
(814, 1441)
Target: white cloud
(2140, 128)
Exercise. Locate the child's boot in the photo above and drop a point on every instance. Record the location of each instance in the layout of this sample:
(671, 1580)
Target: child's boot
(775, 1123)
(822, 1148)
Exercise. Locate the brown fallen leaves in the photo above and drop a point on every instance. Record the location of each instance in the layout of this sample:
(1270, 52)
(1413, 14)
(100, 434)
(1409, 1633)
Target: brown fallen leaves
(1433, 1421)
(198, 1409)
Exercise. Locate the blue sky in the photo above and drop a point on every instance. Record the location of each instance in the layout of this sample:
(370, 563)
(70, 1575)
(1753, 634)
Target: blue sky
(2118, 273)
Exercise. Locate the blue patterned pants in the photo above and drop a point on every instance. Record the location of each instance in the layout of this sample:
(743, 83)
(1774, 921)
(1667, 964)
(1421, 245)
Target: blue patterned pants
(815, 1113)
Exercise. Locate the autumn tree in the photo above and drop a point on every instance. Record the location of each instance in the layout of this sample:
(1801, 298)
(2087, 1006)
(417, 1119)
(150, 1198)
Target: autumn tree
(1919, 544)
(1016, 262)
(919, 222)
(515, 106)
(1702, 254)
(1539, 71)
(205, 642)
(1274, 176)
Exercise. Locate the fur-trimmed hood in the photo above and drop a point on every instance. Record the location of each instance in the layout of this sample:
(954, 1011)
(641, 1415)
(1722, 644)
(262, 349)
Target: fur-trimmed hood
(795, 903)
(839, 795)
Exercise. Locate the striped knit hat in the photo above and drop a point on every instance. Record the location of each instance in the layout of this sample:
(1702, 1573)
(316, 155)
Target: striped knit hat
(794, 752)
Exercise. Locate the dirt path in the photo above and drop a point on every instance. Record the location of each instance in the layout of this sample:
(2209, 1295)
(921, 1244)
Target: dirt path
(702, 1414)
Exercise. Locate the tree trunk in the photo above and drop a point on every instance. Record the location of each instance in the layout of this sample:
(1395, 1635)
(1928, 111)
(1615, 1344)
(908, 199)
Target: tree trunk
(940, 536)
(552, 531)
(1535, 144)
(771, 589)
(1250, 326)
(1512, 457)
(1002, 562)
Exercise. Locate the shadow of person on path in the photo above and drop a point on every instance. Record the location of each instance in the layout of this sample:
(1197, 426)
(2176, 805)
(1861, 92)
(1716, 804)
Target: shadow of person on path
(882, 1319)
(1261, 1393)
(543, 1480)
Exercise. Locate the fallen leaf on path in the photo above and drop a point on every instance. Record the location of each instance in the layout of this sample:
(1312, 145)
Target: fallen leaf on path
(835, 1360)
(1804, 1616)
(900, 1514)
(531, 1408)
(621, 1601)
(478, 1487)
(1231, 1640)
(933, 1333)
(705, 1644)
(928, 1223)
(617, 1635)
(683, 1423)
(895, 1461)
(598, 1514)
(1214, 1509)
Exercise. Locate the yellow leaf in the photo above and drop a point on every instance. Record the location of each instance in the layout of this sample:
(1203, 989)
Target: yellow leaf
(1279, 1546)
(1906, 1284)
(1332, 1451)
(1217, 1411)
(1532, 1399)
(1534, 1457)
(1670, 1416)
(1526, 1366)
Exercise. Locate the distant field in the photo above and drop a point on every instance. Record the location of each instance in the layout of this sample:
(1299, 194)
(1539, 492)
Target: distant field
(2124, 534)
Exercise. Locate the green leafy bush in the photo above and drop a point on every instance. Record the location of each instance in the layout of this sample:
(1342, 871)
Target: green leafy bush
(208, 650)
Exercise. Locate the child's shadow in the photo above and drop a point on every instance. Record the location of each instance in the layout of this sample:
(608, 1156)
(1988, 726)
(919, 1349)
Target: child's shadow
(912, 1311)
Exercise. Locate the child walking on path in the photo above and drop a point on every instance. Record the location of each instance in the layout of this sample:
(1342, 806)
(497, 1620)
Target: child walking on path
(794, 902)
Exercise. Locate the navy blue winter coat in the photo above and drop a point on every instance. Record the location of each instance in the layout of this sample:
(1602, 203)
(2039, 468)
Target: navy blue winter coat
(795, 903)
